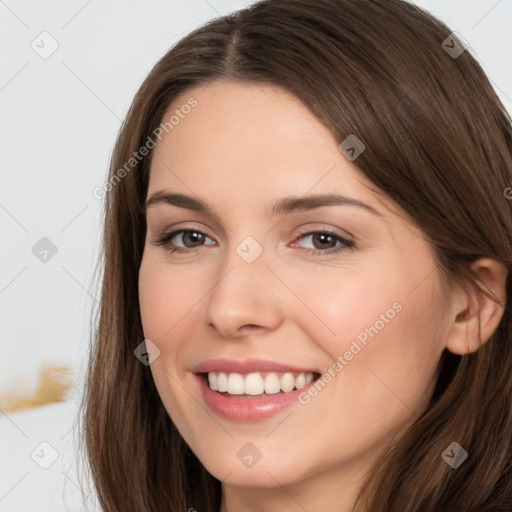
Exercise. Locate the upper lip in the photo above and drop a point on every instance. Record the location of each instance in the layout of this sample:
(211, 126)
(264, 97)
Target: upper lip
(247, 366)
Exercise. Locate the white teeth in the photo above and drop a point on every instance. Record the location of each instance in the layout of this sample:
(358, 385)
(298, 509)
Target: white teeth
(300, 381)
(235, 384)
(255, 384)
(213, 381)
(287, 382)
(222, 382)
(272, 384)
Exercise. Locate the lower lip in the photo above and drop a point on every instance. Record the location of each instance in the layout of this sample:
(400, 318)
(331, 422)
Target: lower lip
(248, 410)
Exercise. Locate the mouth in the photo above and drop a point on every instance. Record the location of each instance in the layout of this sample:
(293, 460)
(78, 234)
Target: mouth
(257, 384)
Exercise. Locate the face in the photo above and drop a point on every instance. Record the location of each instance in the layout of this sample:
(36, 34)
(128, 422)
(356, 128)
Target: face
(345, 291)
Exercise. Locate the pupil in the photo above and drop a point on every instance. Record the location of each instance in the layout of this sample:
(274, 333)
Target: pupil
(195, 236)
(323, 237)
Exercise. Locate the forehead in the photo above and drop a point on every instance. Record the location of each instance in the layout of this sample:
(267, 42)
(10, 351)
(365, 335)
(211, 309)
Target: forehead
(244, 147)
(249, 134)
(232, 118)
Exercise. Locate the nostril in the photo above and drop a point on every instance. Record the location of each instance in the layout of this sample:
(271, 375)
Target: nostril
(250, 327)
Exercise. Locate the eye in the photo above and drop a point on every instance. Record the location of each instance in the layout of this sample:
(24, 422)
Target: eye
(190, 238)
(325, 242)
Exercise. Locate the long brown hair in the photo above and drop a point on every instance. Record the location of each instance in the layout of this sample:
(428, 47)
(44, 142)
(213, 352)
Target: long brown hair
(438, 142)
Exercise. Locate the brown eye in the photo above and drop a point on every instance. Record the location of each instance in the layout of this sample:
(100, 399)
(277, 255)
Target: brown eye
(182, 240)
(191, 238)
(325, 242)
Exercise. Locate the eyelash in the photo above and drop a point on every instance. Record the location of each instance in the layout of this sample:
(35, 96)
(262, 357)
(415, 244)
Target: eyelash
(165, 239)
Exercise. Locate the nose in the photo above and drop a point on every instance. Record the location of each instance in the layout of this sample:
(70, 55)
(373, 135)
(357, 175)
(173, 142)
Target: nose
(245, 298)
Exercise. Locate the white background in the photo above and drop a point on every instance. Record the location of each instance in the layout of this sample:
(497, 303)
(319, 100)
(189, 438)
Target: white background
(58, 121)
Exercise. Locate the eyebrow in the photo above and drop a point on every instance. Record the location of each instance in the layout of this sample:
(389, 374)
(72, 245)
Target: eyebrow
(281, 207)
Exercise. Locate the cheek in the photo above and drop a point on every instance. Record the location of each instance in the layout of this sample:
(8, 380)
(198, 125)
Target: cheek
(379, 304)
(154, 300)
(165, 296)
(348, 304)
(384, 336)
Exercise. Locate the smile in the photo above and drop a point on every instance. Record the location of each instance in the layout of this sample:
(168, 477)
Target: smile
(258, 383)
(251, 390)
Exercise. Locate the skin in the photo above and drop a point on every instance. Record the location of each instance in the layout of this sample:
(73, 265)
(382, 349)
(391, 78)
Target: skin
(243, 147)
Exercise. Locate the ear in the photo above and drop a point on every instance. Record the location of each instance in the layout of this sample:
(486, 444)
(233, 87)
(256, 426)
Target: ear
(476, 315)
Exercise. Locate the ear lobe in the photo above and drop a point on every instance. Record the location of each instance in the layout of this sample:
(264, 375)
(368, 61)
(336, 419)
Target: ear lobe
(478, 312)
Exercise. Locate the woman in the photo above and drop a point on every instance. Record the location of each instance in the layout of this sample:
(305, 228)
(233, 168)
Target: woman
(308, 245)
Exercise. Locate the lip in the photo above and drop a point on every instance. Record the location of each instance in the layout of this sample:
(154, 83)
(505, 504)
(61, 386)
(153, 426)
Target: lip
(247, 366)
(247, 410)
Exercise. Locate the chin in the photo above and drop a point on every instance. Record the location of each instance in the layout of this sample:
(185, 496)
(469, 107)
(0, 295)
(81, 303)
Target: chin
(265, 472)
